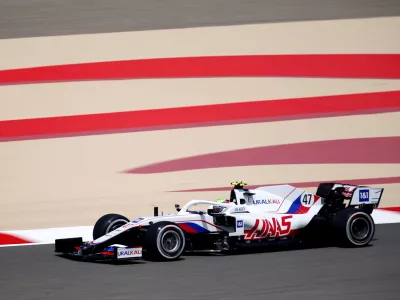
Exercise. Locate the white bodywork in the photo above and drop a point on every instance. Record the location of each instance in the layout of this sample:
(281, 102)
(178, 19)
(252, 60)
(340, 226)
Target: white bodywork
(360, 194)
(272, 211)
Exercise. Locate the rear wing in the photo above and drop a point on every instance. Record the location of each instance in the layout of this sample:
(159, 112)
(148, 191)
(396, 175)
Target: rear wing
(358, 195)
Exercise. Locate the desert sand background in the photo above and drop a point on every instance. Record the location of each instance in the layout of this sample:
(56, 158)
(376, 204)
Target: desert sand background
(71, 181)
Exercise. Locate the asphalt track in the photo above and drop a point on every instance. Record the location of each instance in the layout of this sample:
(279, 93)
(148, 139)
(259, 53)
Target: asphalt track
(28, 18)
(35, 272)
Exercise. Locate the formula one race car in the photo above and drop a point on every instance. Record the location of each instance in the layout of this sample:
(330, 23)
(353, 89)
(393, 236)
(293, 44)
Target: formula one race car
(270, 215)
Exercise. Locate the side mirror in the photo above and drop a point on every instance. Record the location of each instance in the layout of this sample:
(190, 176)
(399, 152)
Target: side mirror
(177, 207)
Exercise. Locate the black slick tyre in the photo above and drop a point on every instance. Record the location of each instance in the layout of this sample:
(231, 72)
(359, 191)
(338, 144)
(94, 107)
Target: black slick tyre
(108, 223)
(354, 227)
(164, 241)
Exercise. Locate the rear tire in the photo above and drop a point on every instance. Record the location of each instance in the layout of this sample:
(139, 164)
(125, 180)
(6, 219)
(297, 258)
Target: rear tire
(354, 227)
(164, 241)
(108, 223)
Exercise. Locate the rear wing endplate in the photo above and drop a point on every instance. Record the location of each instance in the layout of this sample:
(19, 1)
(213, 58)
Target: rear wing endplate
(358, 195)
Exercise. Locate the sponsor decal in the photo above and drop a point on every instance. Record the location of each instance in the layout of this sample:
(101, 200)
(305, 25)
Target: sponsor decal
(239, 209)
(348, 191)
(266, 201)
(275, 227)
(129, 252)
(137, 220)
(133, 223)
(363, 195)
(239, 223)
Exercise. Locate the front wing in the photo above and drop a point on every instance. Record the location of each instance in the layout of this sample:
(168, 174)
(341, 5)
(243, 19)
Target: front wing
(75, 247)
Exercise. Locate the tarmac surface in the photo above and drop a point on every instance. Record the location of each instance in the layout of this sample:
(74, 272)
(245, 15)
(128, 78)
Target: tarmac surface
(28, 18)
(36, 272)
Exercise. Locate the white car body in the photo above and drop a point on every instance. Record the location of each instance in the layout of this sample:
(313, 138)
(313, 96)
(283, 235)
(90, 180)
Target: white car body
(251, 217)
(269, 212)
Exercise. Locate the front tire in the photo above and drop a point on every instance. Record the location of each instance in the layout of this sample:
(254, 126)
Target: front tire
(354, 227)
(108, 223)
(165, 241)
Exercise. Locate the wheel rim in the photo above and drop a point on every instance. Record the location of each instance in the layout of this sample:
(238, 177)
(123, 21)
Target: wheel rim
(360, 229)
(170, 241)
(116, 224)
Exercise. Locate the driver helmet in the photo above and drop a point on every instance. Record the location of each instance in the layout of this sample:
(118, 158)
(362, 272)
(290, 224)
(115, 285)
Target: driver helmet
(222, 200)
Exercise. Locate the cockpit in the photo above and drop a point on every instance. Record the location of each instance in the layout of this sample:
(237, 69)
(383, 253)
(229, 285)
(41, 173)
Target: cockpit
(240, 195)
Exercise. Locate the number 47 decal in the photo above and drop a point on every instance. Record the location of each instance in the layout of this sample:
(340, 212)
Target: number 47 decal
(307, 200)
